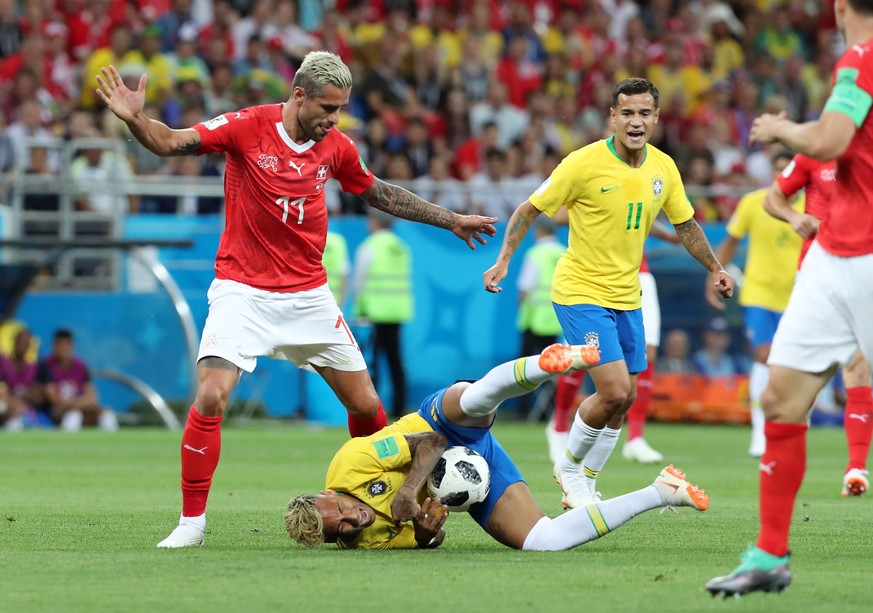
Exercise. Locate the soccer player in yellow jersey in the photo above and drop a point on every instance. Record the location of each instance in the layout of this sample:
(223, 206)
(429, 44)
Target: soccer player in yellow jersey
(771, 264)
(375, 483)
(613, 190)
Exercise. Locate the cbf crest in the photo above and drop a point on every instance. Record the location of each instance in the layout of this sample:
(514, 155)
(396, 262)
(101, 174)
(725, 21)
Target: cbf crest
(592, 339)
(657, 185)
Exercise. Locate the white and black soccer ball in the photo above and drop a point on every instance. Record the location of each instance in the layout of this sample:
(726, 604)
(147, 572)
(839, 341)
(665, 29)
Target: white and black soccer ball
(460, 479)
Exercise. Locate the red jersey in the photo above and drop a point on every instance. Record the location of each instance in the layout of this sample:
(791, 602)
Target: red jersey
(276, 218)
(848, 229)
(819, 179)
(644, 265)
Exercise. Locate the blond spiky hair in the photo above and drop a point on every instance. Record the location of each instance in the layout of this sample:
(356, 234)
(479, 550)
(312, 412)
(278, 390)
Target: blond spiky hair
(320, 68)
(304, 523)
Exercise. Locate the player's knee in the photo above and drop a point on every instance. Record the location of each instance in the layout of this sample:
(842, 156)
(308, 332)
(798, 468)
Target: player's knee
(364, 405)
(211, 400)
(774, 405)
(616, 395)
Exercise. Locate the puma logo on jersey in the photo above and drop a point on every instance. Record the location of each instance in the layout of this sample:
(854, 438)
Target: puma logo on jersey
(862, 417)
(299, 169)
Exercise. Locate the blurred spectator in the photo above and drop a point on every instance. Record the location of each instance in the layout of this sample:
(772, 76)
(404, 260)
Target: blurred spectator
(567, 37)
(777, 39)
(177, 23)
(712, 359)
(474, 72)
(520, 24)
(696, 145)
(510, 120)
(429, 78)
(490, 42)
(185, 64)
(18, 389)
(520, 74)
(416, 145)
(7, 149)
(89, 23)
(28, 125)
(295, 42)
(188, 204)
(35, 199)
(385, 91)
(724, 148)
(677, 347)
(373, 147)
(108, 170)
(11, 33)
(147, 58)
(120, 43)
(215, 40)
(452, 126)
(436, 30)
(492, 191)
(254, 56)
(218, 97)
(621, 12)
(723, 30)
(470, 156)
(331, 37)
(254, 25)
(793, 89)
(673, 78)
(71, 398)
(438, 186)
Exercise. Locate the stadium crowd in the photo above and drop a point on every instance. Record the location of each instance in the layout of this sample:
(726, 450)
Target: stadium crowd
(484, 94)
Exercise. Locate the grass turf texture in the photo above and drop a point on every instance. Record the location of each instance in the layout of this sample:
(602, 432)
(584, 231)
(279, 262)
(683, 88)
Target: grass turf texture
(80, 516)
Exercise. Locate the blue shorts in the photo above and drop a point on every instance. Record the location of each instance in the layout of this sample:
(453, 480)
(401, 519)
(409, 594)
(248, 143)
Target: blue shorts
(618, 334)
(761, 325)
(504, 472)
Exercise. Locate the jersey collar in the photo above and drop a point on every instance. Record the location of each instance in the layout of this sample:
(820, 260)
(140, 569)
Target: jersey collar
(611, 145)
(295, 147)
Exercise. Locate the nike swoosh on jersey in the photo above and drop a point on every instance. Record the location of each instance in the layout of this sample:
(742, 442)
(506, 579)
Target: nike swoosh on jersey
(604, 190)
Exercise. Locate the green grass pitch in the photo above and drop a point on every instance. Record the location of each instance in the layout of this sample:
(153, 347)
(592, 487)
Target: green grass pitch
(80, 516)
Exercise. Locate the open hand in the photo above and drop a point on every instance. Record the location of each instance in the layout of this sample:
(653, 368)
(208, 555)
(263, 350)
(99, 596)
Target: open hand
(469, 227)
(120, 99)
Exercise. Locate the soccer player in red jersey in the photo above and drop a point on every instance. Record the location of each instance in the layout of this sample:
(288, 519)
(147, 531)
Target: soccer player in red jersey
(819, 179)
(830, 312)
(270, 296)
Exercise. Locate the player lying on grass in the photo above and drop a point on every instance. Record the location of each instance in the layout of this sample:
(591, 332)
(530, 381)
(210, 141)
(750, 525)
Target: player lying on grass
(375, 484)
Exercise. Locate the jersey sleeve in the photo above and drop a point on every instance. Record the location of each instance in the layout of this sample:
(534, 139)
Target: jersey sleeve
(852, 94)
(738, 225)
(221, 134)
(795, 176)
(677, 206)
(352, 173)
(562, 186)
(360, 459)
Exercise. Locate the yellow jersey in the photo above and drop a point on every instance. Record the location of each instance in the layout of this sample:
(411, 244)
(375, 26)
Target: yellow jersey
(372, 469)
(772, 254)
(612, 207)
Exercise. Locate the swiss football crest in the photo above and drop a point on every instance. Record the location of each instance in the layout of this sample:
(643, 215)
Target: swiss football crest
(268, 162)
(377, 488)
(321, 175)
(657, 185)
(592, 339)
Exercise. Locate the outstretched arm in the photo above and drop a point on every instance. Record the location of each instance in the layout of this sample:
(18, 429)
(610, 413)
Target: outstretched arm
(426, 449)
(128, 105)
(824, 139)
(516, 229)
(402, 203)
(695, 243)
(776, 203)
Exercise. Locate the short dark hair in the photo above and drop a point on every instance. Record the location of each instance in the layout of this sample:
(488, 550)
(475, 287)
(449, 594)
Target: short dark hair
(862, 6)
(780, 155)
(634, 85)
(63, 334)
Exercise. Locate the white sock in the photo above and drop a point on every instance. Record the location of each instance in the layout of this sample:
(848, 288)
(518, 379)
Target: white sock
(578, 526)
(108, 421)
(599, 454)
(507, 380)
(72, 421)
(579, 443)
(758, 378)
(198, 522)
(14, 424)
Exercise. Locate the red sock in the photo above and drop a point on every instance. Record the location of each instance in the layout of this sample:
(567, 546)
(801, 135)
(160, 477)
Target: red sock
(201, 448)
(859, 425)
(781, 473)
(565, 396)
(365, 426)
(636, 414)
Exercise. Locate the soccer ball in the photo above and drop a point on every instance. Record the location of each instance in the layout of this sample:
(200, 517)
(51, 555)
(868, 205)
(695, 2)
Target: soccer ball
(460, 479)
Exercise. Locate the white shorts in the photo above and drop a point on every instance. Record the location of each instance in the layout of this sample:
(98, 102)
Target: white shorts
(306, 328)
(651, 309)
(829, 315)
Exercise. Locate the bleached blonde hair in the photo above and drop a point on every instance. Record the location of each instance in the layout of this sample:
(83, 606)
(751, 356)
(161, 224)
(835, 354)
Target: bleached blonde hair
(304, 523)
(320, 68)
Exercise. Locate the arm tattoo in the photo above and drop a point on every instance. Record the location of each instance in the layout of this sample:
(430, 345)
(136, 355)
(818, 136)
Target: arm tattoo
(695, 243)
(517, 229)
(402, 203)
(192, 146)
